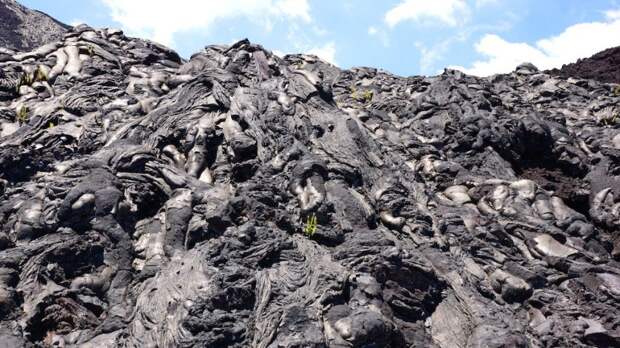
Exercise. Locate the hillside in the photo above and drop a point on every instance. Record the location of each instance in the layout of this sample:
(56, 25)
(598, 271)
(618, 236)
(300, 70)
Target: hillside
(25, 29)
(603, 66)
(243, 199)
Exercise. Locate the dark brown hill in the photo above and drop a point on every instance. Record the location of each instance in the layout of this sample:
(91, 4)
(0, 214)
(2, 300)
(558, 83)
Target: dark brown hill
(603, 66)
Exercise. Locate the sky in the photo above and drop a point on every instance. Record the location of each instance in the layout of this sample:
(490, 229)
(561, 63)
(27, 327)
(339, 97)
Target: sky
(405, 37)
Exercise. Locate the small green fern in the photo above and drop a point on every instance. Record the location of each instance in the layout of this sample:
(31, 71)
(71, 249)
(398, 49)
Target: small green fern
(310, 227)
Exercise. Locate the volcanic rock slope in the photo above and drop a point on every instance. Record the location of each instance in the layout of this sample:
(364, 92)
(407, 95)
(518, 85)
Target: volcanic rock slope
(239, 199)
(25, 29)
(603, 66)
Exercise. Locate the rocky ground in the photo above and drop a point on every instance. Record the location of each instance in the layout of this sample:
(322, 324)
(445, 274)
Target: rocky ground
(603, 66)
(242, 199)
(25, 29)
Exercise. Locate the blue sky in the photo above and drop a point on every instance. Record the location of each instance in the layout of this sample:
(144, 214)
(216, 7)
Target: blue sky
(406, 37)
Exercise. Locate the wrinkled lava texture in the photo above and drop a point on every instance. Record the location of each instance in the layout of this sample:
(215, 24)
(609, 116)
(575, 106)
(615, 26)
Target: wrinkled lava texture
(603, 66)
(150, 201)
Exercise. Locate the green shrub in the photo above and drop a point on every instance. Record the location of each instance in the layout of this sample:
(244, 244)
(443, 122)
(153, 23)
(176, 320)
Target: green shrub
(610, 121)
(25, 79)
(40, 75)
(22, 115)
(28, 79)
(364, 96)
(310, 227)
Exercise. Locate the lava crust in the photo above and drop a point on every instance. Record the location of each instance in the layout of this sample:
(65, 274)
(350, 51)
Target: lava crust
(240, 199)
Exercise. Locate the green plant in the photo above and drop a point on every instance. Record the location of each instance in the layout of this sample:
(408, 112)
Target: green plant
(91, 50)
(24, 80)
(364, 96)
(40, 75)
(27, 79)
(310, 227)
(617, 91)
(22, 115)
(609, 121)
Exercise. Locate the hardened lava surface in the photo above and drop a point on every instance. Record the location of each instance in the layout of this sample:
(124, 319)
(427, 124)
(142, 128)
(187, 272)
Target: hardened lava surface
(240, 199)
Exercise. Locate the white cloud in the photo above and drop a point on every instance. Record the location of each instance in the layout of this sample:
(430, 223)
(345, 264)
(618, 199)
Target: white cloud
(295, 8)
(450, 12)
(326, 52)
(161, 20)
(577, 41)
(380, 34)
(612, 14)
(76, 22)
(430, 55)
(480, 3)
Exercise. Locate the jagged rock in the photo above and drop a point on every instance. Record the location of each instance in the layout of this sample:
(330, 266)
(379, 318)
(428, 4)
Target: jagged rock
(241, 199)
(512, 288)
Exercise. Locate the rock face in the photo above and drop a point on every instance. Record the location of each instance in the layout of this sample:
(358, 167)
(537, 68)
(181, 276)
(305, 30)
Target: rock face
(240, 199)
(603, 66)
(25, 29)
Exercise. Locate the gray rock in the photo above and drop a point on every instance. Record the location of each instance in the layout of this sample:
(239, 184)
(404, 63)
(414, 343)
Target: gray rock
(240, 199)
